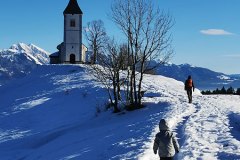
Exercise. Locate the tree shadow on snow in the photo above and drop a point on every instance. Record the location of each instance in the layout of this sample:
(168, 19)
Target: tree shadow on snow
(224, 156)
(234, 121)
(180, 131)
(138, 130)
(235, 125)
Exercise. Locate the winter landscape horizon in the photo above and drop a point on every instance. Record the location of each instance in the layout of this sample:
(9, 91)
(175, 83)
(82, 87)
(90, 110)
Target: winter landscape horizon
(58, 112)
(206, 79)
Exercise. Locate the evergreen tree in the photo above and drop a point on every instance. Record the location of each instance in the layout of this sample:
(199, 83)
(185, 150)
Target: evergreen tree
(217, 91)
(230, 90)
(238, 91)
(223, 90)
(208, 92)
(214, 92)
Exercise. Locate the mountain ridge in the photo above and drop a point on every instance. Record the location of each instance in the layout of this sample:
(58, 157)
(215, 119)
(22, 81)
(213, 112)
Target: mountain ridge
(204, 78)
(19, 60)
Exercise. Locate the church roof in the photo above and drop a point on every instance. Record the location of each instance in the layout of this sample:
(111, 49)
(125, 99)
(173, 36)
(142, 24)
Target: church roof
(73, 8)
(55, 54)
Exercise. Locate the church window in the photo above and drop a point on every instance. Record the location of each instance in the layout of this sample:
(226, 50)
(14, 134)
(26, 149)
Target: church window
(72, 23)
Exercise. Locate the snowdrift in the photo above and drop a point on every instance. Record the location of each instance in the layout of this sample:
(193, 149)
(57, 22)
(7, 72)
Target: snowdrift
(57, 112)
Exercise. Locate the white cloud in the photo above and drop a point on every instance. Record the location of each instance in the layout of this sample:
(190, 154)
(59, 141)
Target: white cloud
(232, 55)
(215, 32)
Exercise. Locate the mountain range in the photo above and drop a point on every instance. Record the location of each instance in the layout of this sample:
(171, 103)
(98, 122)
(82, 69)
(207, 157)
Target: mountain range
(203, 78)
(20, 59)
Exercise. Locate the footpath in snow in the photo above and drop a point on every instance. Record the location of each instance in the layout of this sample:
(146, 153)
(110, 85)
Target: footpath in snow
(208, 129)
(58, 113)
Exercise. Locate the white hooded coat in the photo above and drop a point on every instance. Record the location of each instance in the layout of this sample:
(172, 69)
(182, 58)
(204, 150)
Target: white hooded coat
(165, 142)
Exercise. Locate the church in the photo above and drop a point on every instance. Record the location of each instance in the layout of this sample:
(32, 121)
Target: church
(71, 50)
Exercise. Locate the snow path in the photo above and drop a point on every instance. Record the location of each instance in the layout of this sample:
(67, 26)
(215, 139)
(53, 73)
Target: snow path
(51, 115)
(203, 128)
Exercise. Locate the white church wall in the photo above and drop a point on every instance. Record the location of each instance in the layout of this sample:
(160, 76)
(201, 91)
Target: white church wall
(73, 37)
(73, 34)
(84, 50)
(73, 49)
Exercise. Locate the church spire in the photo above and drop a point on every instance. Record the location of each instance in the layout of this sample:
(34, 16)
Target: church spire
(73, 8)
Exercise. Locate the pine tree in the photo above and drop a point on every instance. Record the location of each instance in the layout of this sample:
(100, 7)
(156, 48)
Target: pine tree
(238, 91)
(217, 91)
(230, 90)
(208, 92)
(223, 90)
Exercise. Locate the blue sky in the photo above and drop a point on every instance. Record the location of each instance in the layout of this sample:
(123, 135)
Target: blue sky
(206, 33)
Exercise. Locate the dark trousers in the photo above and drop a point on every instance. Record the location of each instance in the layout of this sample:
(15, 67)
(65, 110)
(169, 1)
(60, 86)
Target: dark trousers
(189, 93)
(166, 158)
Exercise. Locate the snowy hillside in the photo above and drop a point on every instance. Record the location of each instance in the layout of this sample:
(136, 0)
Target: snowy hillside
(19, 60)
(57, 113)
(204, 78)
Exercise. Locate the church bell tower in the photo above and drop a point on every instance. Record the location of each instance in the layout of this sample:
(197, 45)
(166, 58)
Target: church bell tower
(72, 45)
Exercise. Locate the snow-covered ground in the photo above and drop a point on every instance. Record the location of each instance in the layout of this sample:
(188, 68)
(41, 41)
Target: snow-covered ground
(58, 113)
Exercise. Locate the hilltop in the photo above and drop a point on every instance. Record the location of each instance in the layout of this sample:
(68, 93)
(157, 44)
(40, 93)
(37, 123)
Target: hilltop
(58, 112)
(20, 59)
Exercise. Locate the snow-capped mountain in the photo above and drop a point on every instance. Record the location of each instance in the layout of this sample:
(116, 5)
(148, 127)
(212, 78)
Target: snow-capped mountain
(20, 59)
(235, 75)
(204, 78)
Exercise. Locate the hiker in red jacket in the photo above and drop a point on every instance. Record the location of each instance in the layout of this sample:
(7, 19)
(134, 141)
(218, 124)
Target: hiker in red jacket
(189, 87)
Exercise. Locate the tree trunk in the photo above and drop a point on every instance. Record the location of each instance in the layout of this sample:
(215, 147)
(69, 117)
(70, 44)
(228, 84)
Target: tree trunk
(134, 86)
(140, 82)
(110, 97)
(128, 79)
(118, 86)
(115, 95)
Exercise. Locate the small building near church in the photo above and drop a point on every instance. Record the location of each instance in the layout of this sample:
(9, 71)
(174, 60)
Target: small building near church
(71, 50)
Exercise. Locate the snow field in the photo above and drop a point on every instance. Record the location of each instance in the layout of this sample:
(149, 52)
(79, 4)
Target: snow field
(51, 115)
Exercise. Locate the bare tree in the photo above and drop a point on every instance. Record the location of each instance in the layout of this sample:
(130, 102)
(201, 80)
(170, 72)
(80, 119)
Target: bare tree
(108, 73)
(96, 35)
(147, 31)
(110, 60)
